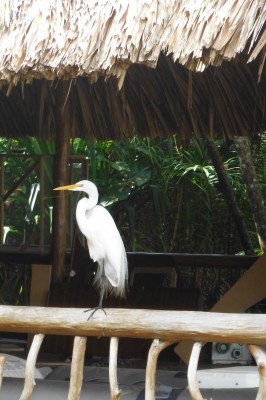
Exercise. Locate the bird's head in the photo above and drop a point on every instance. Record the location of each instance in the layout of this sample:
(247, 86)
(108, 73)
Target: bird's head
(83, 186)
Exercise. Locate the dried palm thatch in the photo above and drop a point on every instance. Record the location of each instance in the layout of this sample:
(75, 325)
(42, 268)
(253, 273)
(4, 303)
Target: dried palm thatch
(133, 66)
(50, 39)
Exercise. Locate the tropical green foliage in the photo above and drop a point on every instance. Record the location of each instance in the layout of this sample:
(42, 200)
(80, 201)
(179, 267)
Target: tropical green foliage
(21, 184)
(14, 283)
(163, 194)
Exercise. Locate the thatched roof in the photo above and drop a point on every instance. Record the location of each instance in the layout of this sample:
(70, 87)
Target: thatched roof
(152, 66)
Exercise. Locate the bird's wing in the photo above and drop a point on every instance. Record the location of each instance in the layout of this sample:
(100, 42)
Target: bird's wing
(105, 244)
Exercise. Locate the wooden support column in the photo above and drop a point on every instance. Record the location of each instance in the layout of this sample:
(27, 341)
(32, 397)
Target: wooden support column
(29, 382)
(40, 284)
(76, 374)
(115, 392)
(156, 347)
(259, 356)
(61, 176)
(193, 384)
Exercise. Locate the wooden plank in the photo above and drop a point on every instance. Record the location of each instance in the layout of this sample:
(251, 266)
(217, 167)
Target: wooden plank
(167, 325)
(31, 255)
(17, 255)
(247, 291)
(189, 260)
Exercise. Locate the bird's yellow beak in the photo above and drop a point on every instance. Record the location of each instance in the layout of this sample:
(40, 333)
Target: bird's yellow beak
(68, 187)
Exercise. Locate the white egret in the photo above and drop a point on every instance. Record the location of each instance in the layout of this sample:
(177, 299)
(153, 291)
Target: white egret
(104, 241)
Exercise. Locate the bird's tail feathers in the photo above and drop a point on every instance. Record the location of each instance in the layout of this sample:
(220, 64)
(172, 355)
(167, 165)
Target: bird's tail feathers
(107, 284)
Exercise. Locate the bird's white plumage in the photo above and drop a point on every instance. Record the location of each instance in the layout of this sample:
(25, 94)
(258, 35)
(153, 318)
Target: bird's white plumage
(104, 241)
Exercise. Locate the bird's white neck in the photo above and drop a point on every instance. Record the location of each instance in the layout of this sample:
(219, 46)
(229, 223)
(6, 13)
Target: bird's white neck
(91, 190)
(86, 204)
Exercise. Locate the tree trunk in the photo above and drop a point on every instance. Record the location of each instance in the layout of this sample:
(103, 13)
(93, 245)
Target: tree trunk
(253, 189)
(230, 197)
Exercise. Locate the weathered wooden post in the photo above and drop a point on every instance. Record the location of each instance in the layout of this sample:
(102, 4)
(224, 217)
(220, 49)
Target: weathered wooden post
(76, 375)
(61, 175)
(115, 392)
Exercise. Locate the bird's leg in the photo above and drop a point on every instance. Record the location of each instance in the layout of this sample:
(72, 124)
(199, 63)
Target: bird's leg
(99, 307)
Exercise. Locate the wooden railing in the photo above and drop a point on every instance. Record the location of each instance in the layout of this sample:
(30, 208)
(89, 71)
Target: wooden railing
(162, 327)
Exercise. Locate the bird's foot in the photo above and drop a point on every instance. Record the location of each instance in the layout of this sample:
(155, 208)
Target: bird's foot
(99, 307)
